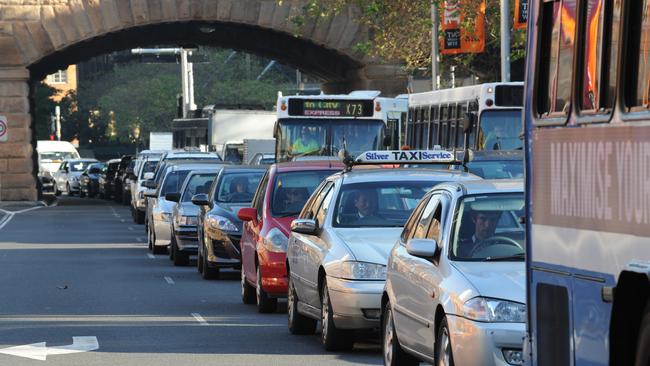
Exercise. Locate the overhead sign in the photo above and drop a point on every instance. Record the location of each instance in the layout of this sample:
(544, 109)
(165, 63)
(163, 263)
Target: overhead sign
(330, 108)
(455, 38)
(4, 129)
(406, 156)
(521, 14)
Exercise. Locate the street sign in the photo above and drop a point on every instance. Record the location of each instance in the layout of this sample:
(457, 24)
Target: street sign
(4, 130)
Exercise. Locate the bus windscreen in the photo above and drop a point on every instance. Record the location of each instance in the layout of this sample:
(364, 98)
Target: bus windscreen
(499, 129)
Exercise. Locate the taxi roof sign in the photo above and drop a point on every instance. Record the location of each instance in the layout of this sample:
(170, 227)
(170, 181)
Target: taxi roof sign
(406, 157)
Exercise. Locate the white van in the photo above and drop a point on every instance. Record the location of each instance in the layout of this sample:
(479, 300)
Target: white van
(52, 153)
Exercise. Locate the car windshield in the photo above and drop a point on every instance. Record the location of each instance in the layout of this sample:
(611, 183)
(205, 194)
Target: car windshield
(504, 169)
(79, 166)
(149, 167)
(487, 228)
(500, 130)
(198, 183)
(378, 204)
(173, 182)
(58, 155)
(292, 189)
(238, 187)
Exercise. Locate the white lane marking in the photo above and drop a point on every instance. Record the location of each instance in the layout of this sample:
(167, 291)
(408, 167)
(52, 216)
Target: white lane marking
(5, 220)
(199, 319)
(130, 228)
(122, 220)
(169, 280)
(151, 256)
(139, 239)
(27, 210)
(39, 351)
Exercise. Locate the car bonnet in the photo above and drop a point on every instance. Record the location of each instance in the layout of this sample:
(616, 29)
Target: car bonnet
(497, 280)
(371, 245)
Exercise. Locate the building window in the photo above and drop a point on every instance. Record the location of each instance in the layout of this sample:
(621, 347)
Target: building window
(59, 77)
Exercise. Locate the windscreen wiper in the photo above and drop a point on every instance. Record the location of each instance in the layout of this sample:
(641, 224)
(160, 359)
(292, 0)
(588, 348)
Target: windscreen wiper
(518, 256)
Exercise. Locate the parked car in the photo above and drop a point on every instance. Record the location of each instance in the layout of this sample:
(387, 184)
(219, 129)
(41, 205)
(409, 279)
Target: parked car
(107, 178)
(160, 208)
(338, 248)
(184, 215)
(280, 197)
(89, 180)
(456, 279)
(66, 178)
(119, 181)
(219, 227)
(138, 206)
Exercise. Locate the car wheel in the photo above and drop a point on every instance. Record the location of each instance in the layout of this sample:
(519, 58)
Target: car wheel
(180, 258)
(643, 344)
(332, 338)
(247, 291)
(67, 189)
(298, 323)
(56, 190)
(208, 273)
(139, 217)
(444, 354)
(82, 194)
(199, 259)
(265, 304)
(394, 355)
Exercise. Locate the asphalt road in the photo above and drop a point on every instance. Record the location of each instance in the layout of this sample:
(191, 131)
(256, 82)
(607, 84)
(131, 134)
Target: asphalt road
(82, 269)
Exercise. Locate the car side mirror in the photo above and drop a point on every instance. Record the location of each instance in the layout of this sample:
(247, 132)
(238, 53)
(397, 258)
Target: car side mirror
(247, 214)
(173, 197)
(151, 193)
(200, 199)
(304, 226)
(423, 248)
(149, 184)
(148, 176)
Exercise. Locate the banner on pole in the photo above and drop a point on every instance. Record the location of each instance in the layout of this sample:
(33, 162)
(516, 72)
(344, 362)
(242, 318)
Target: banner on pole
(521, 14)
(457, 40)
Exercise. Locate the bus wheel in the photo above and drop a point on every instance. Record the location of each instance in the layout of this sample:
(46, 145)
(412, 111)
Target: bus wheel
(643, 344)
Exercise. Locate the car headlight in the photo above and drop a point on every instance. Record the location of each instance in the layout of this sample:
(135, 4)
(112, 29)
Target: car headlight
(275, 241)
(186, 220)
(491, 310)
(166, 216)
(359, 271)
(217, 222)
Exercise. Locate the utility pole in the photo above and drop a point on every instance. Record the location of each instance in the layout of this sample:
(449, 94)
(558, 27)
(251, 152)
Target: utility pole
(57, 114)
(505, 40)
(187, 72)
(435, 46)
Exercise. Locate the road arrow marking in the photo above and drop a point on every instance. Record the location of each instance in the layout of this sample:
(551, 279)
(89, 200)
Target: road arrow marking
(169, 280)
(39, 351)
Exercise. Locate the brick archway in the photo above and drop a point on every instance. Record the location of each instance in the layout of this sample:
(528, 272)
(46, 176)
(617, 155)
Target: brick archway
(40, 36)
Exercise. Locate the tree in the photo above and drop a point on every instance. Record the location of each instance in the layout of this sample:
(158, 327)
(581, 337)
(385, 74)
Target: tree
(400, 30)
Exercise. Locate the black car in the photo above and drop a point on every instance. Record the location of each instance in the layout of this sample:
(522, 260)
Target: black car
(89, 180)
(107, 178)
(219, 228)
(120, 194)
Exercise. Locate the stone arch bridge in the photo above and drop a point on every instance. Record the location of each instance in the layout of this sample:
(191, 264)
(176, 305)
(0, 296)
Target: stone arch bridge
(38, 37)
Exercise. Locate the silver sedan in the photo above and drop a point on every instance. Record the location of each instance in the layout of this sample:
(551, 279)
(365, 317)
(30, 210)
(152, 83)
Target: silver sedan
(339, 246)
(455, 289)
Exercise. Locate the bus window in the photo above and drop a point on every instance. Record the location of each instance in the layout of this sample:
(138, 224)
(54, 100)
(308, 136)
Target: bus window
(444, 131)
(553, 89)
(433, 129)
(599, 66)
(460, 137)
(425, 127)
(638, 76)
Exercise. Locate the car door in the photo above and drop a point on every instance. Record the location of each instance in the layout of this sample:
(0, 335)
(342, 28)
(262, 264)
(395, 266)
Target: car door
(61, 176)
(252, 231)
(298, 244)
(413, 304)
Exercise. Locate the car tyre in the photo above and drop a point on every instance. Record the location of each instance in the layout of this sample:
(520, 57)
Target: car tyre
(56, 190)
(444, 352)
(82, 194)
(393, 352)
(247, 291)
(199, 259)
(68, 190)
(643, 344)
(265, 304)
(298, 323)
(180, 258)
(139, 217)
(208, 273)
(332, 338)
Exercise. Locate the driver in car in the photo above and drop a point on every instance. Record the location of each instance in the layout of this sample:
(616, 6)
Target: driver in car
(485, 225)
(365, 203)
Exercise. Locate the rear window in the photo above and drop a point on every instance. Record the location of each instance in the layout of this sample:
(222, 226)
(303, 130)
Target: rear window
(292, 189)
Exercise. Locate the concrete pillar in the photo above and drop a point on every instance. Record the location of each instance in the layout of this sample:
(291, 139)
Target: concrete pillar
(391, 80)
(17, 173)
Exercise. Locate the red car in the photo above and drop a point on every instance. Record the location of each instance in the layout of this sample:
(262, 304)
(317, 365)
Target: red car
(280, 197)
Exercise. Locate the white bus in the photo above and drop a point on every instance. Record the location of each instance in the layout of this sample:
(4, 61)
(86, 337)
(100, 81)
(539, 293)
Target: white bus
(319, 125)
(436, 117)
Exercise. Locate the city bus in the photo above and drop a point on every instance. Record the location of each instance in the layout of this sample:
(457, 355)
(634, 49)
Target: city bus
(436, 117)
(320, 125)
(587, 147)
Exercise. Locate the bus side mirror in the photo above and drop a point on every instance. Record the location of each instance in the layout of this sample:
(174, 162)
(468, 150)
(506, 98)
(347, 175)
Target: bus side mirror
(468, 122)
(388, 141)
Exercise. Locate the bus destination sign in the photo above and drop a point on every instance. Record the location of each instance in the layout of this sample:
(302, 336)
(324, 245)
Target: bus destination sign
(330, 108)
